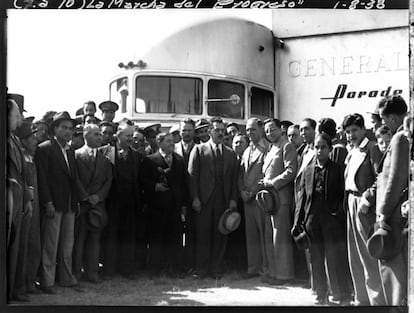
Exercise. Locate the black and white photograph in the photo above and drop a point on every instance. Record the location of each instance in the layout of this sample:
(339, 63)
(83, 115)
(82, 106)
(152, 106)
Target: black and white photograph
(208, 157)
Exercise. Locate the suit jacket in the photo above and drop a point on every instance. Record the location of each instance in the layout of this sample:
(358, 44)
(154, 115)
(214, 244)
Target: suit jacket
(95, 175)
(56, 181)
(251, 171)
(365, 178)
(201, 171)
(179, 149)
(137, 160)
(303, 161)
(280, 166)
(334, 191)
(394, 177)
(155, 170)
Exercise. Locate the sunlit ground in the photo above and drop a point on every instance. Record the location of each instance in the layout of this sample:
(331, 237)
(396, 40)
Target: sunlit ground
(231, 290)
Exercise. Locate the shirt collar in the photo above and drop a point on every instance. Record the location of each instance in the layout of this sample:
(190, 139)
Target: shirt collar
(260, 144)
(363, 143)
(90, 150)
(163, 154)
(213, 145)
(66, 147)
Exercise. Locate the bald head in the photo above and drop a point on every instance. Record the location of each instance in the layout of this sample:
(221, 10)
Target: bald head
(92, 135)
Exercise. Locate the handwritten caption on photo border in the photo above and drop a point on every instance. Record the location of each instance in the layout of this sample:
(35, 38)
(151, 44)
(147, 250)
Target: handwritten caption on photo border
(215, 4)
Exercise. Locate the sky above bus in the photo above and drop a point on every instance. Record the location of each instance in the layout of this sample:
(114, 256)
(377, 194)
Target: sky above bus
(60, 59)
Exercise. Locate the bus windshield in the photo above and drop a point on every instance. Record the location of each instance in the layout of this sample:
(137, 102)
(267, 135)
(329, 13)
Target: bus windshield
(220, 93)
(168, 94)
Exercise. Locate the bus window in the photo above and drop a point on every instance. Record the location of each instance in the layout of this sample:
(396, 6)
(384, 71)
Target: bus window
(164, 94)
(221, 89)
(119, 93)
(262, 103)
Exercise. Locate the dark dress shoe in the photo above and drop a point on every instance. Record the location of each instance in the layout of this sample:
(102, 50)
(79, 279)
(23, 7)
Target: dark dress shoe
(48, 290)
(321, 300)
(20, 298)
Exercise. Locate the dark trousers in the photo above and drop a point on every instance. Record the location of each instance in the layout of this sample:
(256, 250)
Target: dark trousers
(165, 239)
(86, 247)
(119, 254)
(211, 244)
(142, 238)
(328, 242)
(236, 250)
(190, 239)
(20, 280)
(34, 248)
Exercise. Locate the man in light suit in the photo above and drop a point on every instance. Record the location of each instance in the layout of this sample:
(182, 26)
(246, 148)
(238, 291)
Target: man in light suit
(95, 177)
(213, 171)
(59, 198)
(279, 170)
(360, 178)
(183, 149)
(249, 176)
(391, 183)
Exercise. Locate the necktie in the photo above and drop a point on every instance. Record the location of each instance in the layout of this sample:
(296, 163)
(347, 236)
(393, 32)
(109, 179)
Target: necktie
(168, 159)
(218, 152)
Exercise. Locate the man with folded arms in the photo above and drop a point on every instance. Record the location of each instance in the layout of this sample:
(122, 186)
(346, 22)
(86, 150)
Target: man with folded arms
(58, 196)
(95, 178)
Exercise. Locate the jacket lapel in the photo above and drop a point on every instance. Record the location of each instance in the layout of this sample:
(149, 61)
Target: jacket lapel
(309, 173)
(208, 152)
(269, 158)
(60, 157)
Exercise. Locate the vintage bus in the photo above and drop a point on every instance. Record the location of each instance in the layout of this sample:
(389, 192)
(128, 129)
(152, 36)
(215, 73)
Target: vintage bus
(219, 68)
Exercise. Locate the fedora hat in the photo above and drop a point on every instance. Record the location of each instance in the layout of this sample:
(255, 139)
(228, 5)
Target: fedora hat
(301, 237)
(229, 221)
(268, 200)
(96, 218)
(61, 116)
(201, 123)
(19, 100)
(384, 243)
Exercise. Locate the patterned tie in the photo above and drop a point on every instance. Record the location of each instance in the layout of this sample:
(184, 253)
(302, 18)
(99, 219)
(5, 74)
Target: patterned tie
(168, 159)
(218, 152)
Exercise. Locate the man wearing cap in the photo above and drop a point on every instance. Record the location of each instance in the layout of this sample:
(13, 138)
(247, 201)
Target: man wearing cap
(29, 249)
(175, 131)
(279, 170)
(77, 140)
(59, 201)
(164, 177)
(124, 206)
(213, 170)
(391, 185)
(108, 109)
(360, 178)
(42, 130)
(18, 195)
(249, 177)
(95, 178)
(150, 133)
(183, 149)
(202, 131)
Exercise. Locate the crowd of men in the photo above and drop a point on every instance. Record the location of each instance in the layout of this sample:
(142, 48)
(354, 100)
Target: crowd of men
(89, 199)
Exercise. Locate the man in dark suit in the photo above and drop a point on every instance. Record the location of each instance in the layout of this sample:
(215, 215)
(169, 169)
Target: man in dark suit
(58, 197)
(17, 193)
(213, 170)
(165, 187)
(360, 178)
(95, 178)
(184, 148)
(391, 183)
(125, 206)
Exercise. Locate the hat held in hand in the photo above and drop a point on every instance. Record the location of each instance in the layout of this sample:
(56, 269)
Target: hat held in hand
(268, 200)
(229, 221)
